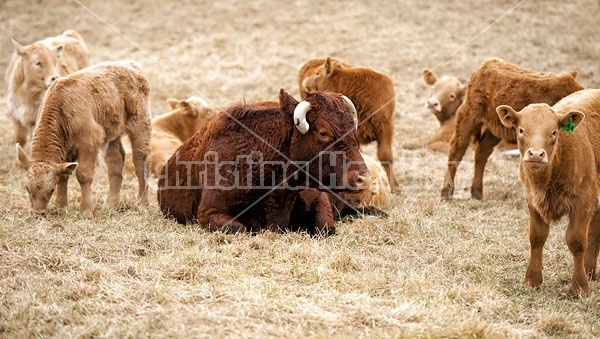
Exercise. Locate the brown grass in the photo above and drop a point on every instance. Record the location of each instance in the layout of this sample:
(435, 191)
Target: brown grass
(433, 269)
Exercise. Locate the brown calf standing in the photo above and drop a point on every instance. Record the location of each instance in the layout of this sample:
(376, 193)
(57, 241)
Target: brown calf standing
(81, 114)
(498, 83)
(373, 94)
(560, 173)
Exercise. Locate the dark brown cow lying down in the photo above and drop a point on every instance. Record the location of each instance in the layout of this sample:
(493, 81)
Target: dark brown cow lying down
(240, 172)
(560, 172)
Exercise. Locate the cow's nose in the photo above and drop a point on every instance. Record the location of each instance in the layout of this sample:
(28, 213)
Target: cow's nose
(359, 181)
(433, 104)
(535, 155)
(39, 213)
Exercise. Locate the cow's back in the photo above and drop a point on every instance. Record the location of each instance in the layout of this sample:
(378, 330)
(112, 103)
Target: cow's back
(498, 83)
(111, 96)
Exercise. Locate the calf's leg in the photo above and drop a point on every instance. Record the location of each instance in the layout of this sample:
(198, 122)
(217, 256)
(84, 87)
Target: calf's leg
(140, 148)
(61, 191)
(465, 126)
(85, 175)
(21, 132)
(386, 157)
(576, 237)
(115, 159)
(484, 148)
(591, 253)
(538, 233)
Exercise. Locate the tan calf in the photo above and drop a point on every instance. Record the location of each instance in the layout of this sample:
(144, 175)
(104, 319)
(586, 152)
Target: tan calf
(560, 173)
(31, 71)
(172, 129)
(81, 114)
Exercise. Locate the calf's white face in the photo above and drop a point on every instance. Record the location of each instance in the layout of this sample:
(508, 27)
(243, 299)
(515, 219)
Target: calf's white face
(39, 63)
(446, 92)
(41, 179)
(538, 129)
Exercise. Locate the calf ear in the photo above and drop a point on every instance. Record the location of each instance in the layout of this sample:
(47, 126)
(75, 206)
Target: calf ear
(172, 102)
(59, 51)
(287, 102)
(23, 158)
(328, 66)
(67, 168)
(18, 47)
(565, 122)
(508, 116)
(188, 108)
(428, 76)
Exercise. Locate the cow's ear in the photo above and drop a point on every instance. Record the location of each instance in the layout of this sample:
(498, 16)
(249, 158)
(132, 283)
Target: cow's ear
(571, 120)
(172, 102)
(18, 47)
(428, 76)
(66, 168)
(508, 116)
(59, 51)
(188, 108)
(287, 102)
(328, 65)
(574, 74)
(22, 157)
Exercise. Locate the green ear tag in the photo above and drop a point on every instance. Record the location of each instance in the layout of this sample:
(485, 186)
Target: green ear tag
(570, 126)
(58, 55)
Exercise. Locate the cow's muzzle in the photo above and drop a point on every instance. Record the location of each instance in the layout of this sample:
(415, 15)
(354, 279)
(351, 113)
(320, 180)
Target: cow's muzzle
(358, 181)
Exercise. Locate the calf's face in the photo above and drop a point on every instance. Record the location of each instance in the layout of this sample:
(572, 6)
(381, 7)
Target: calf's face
(41, 179)
(39, 63)
(326, 137)
(538, 129)
(446, 93)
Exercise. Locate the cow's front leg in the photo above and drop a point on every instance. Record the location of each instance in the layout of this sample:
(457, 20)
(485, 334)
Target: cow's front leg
(62, 199)
(576, 238)
(538, 233)
(215, 219)
(85, 175)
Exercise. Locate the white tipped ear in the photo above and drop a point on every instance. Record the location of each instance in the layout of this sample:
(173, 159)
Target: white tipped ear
(67, 168)
(22, 157)
(18, 47)
(172, 102)
(508, 116)
(188, 108)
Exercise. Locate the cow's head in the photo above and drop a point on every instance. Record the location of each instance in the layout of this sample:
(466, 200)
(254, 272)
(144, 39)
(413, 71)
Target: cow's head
(38, 63)
(538, 129)
(446, 94)
(317, 80)
(41, 179)
(325, 135)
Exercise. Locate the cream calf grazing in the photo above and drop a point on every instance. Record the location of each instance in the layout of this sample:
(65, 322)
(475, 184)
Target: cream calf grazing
(560, 173)
(172, 129)
(31, 71)
(81, 114)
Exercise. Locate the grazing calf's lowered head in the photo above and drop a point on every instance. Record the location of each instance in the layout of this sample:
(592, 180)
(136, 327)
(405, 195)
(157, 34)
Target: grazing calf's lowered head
(263, 166)
(560, 173)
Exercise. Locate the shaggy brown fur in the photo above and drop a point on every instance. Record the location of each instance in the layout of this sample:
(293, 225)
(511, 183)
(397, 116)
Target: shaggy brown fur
(560, 172)
(498, 83)
(373, 94)
(172, 129)
(257, 147)
(80, 114)
(31, 71)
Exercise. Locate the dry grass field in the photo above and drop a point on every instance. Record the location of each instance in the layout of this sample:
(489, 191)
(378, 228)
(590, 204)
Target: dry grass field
(432, 269)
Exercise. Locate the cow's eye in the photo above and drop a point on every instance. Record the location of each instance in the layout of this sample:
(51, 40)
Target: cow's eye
(452, 96)
(323, 134)
(521, 131)
(553, 133)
